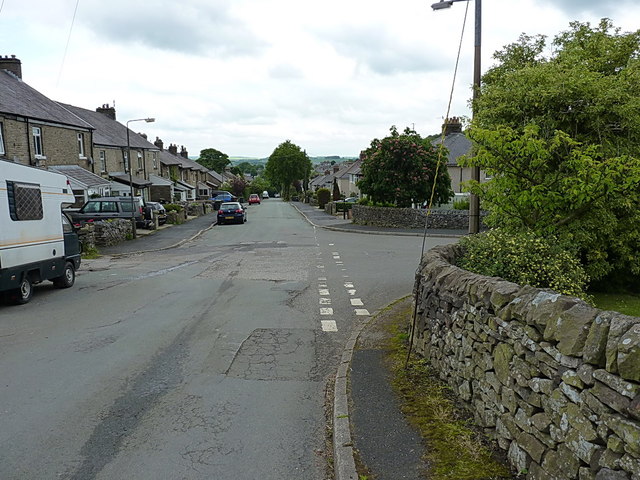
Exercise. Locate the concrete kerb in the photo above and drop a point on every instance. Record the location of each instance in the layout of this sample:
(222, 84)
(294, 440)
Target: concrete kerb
(373, 232)
(177, 244)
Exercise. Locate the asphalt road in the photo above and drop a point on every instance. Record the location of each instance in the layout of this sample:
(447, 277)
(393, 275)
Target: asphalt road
(209, 360)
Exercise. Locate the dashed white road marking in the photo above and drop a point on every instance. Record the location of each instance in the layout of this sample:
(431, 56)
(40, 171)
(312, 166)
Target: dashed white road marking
(322, 285)
(351, 292)
(329, 326)
(323, 291)
(322, 279)
(325, 301)
(326, 311)
(348, 285)
(356, 302)
(362, 311)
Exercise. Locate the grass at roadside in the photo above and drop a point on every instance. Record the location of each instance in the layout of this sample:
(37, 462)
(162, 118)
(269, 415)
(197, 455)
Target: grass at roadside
(619, 302)
(456, 448)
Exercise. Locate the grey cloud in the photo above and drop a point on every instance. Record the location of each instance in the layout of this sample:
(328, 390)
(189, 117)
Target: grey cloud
(602, 8)
(284, 72)
(186, 27)
(383, 54)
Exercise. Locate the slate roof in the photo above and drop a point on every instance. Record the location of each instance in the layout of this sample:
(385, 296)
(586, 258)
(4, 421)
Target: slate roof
(168, 158)
(109, 132)
(458, 145)
(18, 98)
(79, 176)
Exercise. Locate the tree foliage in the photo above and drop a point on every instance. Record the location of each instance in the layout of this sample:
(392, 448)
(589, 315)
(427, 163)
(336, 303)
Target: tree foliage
(213, 159)
(560, 136)
(401, 168)
(287, 164)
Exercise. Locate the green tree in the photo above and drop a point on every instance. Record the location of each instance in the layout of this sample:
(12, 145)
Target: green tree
(401, 169)
(250, 168)
(559, 136)
(336, 190)
(238, 186)
(213, 159)
(259, 185)
(286, 164)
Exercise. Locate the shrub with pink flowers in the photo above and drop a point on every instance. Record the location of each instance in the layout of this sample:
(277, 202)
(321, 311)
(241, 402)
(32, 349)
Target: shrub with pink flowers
(401, 168)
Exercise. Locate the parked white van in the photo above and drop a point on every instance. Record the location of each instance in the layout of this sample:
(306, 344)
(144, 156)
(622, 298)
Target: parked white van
(37, 241)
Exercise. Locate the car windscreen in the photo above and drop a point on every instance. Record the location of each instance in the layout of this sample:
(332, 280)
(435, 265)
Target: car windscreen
(230, 206)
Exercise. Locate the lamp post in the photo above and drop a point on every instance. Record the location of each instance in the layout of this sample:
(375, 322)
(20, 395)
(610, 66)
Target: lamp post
(133, 212)
(474, 201)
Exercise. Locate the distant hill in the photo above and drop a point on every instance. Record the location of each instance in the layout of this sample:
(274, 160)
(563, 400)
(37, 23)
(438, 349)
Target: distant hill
(315, 160)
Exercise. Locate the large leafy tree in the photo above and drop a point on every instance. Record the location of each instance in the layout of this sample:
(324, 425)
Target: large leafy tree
(287, 164)
(213, 159)
(560, 136)
(401, 169)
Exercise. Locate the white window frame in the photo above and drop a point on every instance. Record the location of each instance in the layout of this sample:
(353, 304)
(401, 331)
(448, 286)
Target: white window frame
(2, 150)
(103, 161)
(81, 145)
(154, 156)
(140, 162)
(126, 161)
(36, 134)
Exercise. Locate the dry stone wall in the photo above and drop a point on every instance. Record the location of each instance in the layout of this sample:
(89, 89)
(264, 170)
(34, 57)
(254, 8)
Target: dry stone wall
(554, 381)
(410, 217)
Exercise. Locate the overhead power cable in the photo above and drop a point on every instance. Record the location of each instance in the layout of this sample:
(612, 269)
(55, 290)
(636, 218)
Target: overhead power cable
(64, 56)
(433, 190)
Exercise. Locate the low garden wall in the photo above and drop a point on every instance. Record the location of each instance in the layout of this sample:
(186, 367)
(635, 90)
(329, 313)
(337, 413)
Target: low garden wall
(410, 217)
(554, 381)
(105, 233)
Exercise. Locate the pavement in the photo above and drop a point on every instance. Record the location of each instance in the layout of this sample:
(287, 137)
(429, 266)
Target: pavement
(368, 426)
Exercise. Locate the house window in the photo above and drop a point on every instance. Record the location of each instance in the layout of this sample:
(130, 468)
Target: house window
(81, 145)
(126, 161)
(2, 152)
(37, 141)
(140, 165)
(103, 161)
(25, 201)
(154, 156)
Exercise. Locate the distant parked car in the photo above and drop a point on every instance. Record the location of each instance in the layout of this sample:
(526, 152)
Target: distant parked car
(223, 197)
(265, 194)
(254, 198)
(231, 212)
(105, 208)
(158, 210)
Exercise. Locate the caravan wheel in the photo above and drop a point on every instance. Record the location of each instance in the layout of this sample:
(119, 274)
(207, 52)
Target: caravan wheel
(23, 294)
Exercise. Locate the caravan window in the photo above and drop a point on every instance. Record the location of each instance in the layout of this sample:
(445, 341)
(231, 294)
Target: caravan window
(25, 201)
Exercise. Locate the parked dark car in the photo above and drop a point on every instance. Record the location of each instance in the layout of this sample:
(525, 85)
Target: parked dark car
(231, 212)
(158, 210)
(105, 208)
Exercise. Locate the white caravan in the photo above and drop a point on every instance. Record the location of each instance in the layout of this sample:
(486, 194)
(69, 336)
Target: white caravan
(37, 241)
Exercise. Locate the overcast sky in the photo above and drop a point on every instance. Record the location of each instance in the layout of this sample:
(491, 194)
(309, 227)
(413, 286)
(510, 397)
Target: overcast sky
(242, 76)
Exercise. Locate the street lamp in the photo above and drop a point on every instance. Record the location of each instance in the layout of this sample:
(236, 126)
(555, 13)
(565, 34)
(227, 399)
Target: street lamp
(133, 212)
(474, 201)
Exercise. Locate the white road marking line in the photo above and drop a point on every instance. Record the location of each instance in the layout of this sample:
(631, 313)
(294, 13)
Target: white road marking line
(344, 269)
(322, 285)
(323, 291)
(326, 311)
(335, 253)
(362, 311)
(329, 326)
(351, 292)
(331, 244)
(356, 302)
(325, 301)
(322, 279)
(320, 266)
(348, 285)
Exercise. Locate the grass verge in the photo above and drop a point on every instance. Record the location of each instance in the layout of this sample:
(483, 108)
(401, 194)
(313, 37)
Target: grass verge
(456, 448)
(627, 304)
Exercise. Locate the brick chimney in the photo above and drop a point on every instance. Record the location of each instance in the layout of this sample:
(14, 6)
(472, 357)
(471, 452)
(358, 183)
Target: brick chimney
(107, 110)
(452, 125)
(143, 135)
(159, 143)
(173, 149)
(183, 152)
(12, 64)
(336, 168)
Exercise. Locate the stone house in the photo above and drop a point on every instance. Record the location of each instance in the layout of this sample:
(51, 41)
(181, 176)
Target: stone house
(35, 130)
(110, 154)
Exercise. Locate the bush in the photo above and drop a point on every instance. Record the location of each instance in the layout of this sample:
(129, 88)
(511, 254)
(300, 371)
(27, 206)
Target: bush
(173, 207)
(462, 204)
(324, 195)
(526, 259)
(342, 206)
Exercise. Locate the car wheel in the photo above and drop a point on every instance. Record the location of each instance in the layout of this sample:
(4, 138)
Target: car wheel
(24, 292)
(68, 278)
